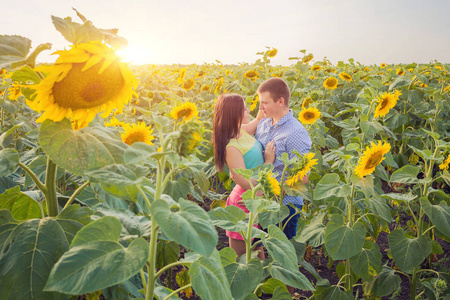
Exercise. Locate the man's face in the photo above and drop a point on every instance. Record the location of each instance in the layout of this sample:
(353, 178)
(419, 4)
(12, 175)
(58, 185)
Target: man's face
(268, 105)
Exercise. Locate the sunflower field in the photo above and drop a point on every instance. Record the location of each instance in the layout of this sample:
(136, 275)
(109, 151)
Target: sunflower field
(108, 188)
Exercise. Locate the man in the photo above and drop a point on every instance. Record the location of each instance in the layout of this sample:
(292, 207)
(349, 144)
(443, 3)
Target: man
(286, 131)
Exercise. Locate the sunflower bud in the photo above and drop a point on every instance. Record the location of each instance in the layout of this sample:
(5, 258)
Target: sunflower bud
(188, 139)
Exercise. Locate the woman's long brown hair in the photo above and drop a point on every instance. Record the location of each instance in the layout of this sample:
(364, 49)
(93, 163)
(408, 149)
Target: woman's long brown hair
(228, 115)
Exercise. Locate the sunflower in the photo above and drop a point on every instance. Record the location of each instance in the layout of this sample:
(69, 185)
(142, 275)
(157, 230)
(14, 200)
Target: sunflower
(272, 52)
(316, 68)
(312, 77)
(254, 103)
(423, 85)
(345, 76)
(307, 102)
(439, 67)
(219, 85)
(306, 59)
(385, 102)
(400, 72)
(227, 72)
(189, 84)
(189, 137)
(366, 69)
(445, 163)
(180, 79)
(253, 75)
(330, 83)
(137, 133)
(184, 112)
(446, 88)
(114, 122)
(309, 115)
(371, 158)
(205, 88)
(14, 91)
(85, 80)
(301, 169)
(269, 184)
(200, 73)
(383, 65)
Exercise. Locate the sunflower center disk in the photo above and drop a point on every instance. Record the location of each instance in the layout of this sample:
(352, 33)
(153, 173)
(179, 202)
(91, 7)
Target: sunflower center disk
(309, 116)
(374, 160)
(135, 137)
(81, 90)
(183, 113)
(384, 103)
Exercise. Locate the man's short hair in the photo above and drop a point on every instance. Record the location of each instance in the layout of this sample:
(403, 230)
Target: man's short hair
(277, 88)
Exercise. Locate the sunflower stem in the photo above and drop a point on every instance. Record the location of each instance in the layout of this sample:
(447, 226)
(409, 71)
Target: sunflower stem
(77, 191)
(50, 185)
(33, 177)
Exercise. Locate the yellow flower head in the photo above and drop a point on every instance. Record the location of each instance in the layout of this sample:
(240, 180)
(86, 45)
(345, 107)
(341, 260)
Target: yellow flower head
(307, 102)
(400, 72)
(205, 88)
(272, 52)
(330, 83)
(315, 68)
(184, 112)
(254, 103)
(385, 102)
(189, 84)
(345, 76)
(270, 184)
(85, 80)
(200, 74)
(306, 59)
(306, 163)
(383, 65)
(137, 133)
(181, 76)
(445, 163)
(253, 75)
(371, 158)
(439, 67)
(312, 77)
(14, 91)
(114, 122)
(309, 115)
(366, 69)
(189, 138)
(219, 85)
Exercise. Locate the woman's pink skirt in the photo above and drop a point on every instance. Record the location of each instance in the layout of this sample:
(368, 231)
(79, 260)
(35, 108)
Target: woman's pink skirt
(235, 196)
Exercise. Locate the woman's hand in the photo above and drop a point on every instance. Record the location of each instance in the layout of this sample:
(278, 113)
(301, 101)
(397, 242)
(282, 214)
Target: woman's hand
(269, 153)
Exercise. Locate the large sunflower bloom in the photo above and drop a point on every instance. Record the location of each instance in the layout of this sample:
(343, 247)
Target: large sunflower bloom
(400, 72)
(137, 133)
(253, 75)
(383, 65)
(315, 68)
(270, 184)
(184, 112)
(385, 102)
(309, 115)
(445, 163)
(302, 171)
(189, 84)
(14, 91)
(345, 76)
(371, 158)
(330, 83)
(85, 80)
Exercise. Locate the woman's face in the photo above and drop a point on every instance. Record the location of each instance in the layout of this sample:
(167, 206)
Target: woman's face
(246, 117)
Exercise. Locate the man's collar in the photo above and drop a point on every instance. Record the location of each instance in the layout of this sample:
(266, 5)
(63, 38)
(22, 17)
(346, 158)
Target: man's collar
(286, 117)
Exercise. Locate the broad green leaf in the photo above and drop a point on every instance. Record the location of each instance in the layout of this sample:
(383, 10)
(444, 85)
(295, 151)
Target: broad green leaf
(96, 265)
(290, 277)
(9, 158)
(434, 135)
(139, 152)
(5, 141)
(82, 150)
(116, 174)
(189, 226)
(379, 206)
(22, 207)
(313, 232)
(132, 225)
(386, 282)
(208, 278)
(104, 229)
(243, 278)
(167, 252)
(13, 48)
(124, 192)
(400, 196)
(255, 206)
(178, 189)
(343, 241)
(227, 256)
(365, 184)
(230, 218)
(438, 214)
(267, 218)
(29, 251)
(425, 154)
(333, 293)
(406, 174)
(329, 186)
(280, 249)
(281, 293)
(25, 74)
(408, 252)
(368, 262)
(269, 286)
(371, 127)
(162, 292)
(298, 189)
(72, 219)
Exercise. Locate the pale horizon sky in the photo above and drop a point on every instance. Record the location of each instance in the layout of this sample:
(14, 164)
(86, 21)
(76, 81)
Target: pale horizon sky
(201, 31)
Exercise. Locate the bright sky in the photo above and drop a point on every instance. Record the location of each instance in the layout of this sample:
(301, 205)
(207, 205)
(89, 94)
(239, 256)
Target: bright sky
(233, 31)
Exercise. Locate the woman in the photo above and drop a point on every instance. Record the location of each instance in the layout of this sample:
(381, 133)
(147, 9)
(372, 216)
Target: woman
(235, 146)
